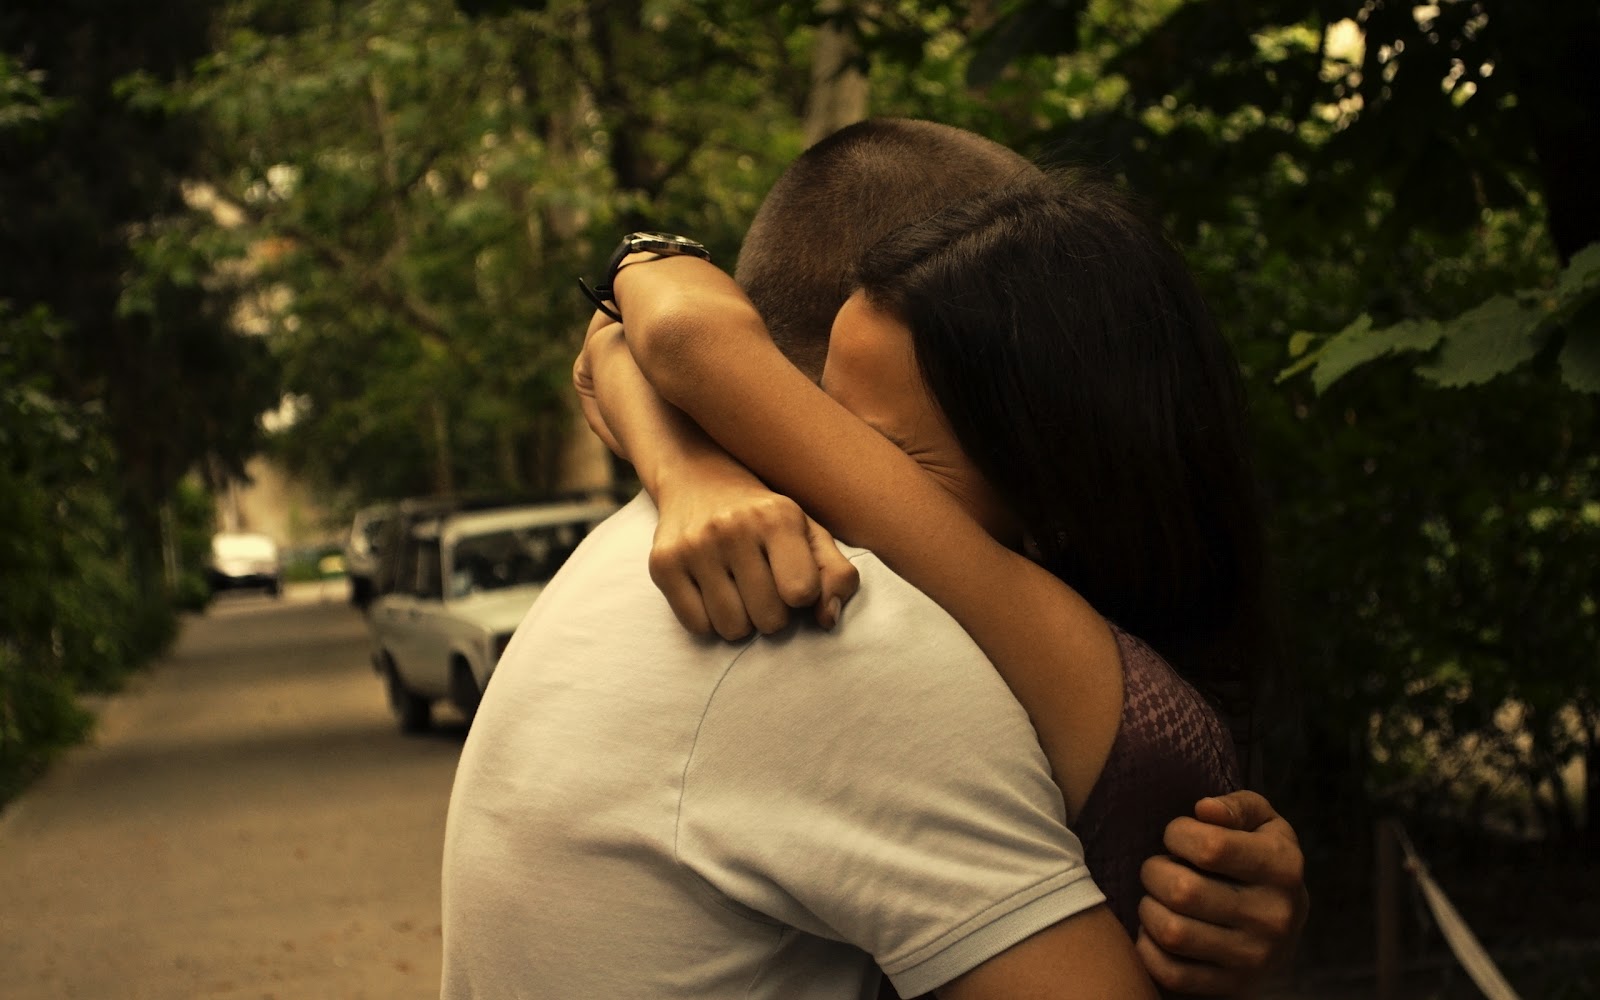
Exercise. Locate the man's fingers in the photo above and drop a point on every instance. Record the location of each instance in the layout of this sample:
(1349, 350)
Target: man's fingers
(1200, 941)
(1241, 810)
(1267, 855)
(1194, 894)
(1182, 976)
(1266, 912)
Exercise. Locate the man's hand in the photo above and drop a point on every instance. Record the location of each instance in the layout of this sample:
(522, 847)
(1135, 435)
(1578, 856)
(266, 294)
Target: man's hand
(1224, 930)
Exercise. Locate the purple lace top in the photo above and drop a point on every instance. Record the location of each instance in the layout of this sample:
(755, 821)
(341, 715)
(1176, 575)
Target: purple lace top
(1171, 750)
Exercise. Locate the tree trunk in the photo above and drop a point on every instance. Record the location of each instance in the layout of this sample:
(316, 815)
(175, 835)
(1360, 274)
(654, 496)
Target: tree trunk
(505, 453)
(838, 87)
(1591, 783)
(444, 480)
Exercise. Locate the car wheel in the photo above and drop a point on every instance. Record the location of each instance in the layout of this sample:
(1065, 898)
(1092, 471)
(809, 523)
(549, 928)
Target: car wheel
(464, 690)
(411, 710)
(275, 589)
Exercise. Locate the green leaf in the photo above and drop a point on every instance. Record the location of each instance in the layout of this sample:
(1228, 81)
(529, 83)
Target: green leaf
(1300, 348)
(1580, 357)
(1359, 344)
(1487, 341)
(1581, 276)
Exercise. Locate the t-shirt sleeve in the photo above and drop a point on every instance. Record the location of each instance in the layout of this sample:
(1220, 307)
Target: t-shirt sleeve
(880, 786)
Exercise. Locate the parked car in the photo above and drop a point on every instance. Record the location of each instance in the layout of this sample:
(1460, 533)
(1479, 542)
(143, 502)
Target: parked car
(462, 582)
(241, 560)
(363, 551)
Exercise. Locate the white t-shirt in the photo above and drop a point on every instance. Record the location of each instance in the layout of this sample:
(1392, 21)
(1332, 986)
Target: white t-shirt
(642, 814)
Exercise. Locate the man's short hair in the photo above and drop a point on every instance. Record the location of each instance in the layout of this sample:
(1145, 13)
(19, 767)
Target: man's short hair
(840, 197)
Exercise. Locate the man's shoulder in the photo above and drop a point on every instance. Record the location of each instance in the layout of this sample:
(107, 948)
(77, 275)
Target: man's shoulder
(888, 609)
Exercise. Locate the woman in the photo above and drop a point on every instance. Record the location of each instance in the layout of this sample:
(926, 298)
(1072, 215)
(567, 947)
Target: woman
(1043, 355)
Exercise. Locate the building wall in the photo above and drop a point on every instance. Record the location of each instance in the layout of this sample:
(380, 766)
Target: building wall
(276, 504)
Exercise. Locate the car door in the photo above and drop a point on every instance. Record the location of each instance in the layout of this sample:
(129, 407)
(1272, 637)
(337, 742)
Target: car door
(395, 612)
(429, 622)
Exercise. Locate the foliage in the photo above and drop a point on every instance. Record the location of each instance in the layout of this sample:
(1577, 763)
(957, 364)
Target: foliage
(71, 618)
(115, 366)
(398, 194)
(412, 190)
(1435, 546)
(1491, 339)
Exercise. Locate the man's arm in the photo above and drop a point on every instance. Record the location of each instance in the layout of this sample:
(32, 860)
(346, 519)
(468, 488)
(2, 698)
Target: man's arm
(1083, 956)
(1227, 929)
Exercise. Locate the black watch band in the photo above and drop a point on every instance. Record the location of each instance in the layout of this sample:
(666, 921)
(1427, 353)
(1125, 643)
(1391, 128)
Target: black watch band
(661, 244)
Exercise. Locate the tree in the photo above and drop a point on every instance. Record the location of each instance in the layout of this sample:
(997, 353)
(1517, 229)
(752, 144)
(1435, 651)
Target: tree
(91, 199)
(417, 187)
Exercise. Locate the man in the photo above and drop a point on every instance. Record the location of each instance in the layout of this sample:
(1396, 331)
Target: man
(642, 813)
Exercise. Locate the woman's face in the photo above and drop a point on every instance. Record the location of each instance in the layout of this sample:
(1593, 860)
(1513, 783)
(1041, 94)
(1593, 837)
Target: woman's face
(872, 371)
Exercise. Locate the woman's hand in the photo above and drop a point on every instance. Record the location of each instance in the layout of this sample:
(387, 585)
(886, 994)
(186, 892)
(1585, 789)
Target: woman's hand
(731, 555)
(583, 381)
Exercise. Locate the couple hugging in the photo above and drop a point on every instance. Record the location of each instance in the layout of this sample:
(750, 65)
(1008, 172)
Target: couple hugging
(986, 770)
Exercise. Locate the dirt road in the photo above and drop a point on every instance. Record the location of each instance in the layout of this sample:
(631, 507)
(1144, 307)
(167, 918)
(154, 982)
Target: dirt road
(247, 822)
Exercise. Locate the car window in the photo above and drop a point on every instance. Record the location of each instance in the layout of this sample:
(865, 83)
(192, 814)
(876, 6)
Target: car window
(511, 558)
(429, 581)
(373, 532)
(404, 578)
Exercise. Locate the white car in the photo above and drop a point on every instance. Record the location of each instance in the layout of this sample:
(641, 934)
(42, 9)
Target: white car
(243, 560)
(463, 582)
(363, 549)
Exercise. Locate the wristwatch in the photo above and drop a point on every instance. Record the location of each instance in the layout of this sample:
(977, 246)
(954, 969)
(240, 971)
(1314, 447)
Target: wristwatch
(661, 244)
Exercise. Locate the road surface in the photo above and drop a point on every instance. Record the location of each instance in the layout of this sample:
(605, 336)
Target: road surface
(247, 823)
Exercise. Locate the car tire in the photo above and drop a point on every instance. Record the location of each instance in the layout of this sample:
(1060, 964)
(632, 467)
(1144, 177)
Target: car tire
(360, 593)
(464, 691)
(412, 711)
(275, 589)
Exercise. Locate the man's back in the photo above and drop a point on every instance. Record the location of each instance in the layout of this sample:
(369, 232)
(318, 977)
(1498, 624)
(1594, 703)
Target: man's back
(639, 813)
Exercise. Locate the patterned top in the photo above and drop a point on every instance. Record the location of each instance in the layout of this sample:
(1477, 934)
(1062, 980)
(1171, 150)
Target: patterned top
(1171, 750)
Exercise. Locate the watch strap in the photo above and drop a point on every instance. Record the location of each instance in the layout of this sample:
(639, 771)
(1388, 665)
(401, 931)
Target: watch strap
(661, 244)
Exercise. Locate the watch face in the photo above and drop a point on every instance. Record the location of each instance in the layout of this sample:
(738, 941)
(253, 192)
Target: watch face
(668, 242)
(664, 243)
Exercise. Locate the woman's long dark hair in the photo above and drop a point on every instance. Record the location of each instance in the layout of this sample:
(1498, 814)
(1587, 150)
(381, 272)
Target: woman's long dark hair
(1077, 364)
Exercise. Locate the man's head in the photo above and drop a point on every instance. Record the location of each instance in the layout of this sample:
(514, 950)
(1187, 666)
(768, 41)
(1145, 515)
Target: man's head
(840, 197)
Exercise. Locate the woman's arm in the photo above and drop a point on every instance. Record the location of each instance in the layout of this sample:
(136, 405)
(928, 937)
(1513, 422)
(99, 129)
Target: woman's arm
(729, 554)
(702, 344)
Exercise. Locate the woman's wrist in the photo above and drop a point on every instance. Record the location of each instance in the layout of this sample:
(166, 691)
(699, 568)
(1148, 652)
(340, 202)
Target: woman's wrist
(665, 447)
(694, 462)
(684, 316)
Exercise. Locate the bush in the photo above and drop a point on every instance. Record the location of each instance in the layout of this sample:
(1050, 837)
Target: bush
(79, 608)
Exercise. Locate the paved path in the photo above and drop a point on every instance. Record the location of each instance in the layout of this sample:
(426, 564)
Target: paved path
(246, 823)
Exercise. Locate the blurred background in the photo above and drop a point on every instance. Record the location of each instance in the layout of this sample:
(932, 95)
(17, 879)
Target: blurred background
(265, 263)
